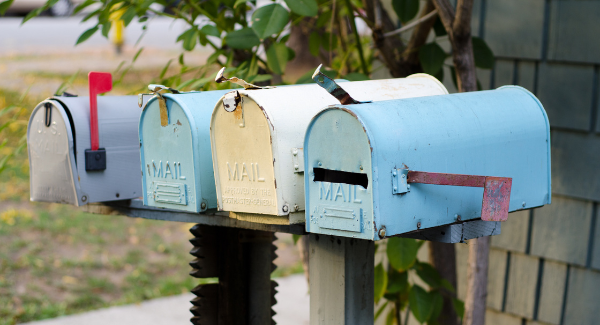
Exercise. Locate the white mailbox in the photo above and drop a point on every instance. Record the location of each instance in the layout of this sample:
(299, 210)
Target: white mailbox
(66, 167)
(257, 138)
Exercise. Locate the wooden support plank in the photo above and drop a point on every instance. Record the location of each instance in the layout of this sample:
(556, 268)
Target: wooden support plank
(341, 280)
(243, 261)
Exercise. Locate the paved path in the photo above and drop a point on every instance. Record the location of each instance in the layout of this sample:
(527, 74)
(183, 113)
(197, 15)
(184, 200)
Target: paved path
(292, 309)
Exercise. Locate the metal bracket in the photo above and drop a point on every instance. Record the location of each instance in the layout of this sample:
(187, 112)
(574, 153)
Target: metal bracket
(333, 88)
(496, 190)
(298, 160)
(399, 181)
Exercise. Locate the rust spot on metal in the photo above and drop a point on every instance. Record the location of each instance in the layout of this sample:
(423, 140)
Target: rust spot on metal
(178, 123)
(164, 116)
(237, 113)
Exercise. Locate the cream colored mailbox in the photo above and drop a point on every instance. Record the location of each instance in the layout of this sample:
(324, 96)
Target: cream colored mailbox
(257, 138)
(79, 155)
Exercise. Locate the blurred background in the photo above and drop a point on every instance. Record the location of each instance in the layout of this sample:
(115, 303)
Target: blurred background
(57, 260)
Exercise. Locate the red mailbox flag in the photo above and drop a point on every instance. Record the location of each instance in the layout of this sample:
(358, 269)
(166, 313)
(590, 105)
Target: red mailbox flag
(99, 83)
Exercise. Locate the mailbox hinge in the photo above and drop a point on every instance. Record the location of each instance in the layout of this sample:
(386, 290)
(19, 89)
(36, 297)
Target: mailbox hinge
(496, 190)
(298, 160)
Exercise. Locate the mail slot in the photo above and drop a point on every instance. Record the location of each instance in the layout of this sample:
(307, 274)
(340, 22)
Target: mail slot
(257, 138)
(65, 167)
(175, 151)
(401, 166)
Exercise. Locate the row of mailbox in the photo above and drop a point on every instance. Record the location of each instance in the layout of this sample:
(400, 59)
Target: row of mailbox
(412, 158)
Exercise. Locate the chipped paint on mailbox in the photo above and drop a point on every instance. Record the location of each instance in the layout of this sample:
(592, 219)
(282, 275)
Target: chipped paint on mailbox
(58, 135)
(254, 138)
(175, 151)
(499, 133)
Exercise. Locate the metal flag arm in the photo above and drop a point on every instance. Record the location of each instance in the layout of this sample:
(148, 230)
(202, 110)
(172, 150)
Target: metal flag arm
(496, 190)
(333, 88)
(95, 158)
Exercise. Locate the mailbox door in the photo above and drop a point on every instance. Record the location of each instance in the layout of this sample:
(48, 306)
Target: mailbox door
(167, 155)
(176, 159)
(339, 197)
(243, 158)
(52, 166)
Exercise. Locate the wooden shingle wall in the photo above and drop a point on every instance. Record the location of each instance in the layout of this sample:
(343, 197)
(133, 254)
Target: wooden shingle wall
(545, 267)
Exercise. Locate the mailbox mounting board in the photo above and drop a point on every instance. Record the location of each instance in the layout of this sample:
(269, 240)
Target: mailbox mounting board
(58, 135)
(177, 171)
(253, 143)
(352, 152)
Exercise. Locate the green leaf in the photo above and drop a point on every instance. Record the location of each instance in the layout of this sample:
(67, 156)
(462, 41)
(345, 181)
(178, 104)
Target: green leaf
(356, 76)
(83, 5)
(440, 75)
(4, 5)
(238, 2)
(432, 58)
(429, 275)
(305, 78)
(421, 303)
(277, 57)
(165, 69)
(303, 7)
(397, 281)
(106, 28)
(87, 34)
(189, 38)
(380, 282)
(296, 238)
(405, 9)
(483, 55)
(402, 252)
(260, 78)
(314, 43)
(33, 13)
(243, 39)
(210, 30)
(439, 28)
(438, 304)
(269, 20)
(459, 307)
(137, 54)
(214, 57)
(381, 309)
(180, 59)
(128, 16)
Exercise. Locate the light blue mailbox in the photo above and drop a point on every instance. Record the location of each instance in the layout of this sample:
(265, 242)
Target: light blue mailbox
(407, 166)
(177, 170)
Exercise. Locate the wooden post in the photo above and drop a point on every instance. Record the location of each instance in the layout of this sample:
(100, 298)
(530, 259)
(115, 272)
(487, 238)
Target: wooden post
(243, 262)
(341, 280)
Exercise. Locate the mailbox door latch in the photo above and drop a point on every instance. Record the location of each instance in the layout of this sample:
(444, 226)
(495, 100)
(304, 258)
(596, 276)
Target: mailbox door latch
(496, 190)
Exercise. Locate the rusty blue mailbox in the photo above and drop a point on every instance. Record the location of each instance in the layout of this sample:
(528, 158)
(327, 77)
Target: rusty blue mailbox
(83, 149)
(175, 150)
(403, 166)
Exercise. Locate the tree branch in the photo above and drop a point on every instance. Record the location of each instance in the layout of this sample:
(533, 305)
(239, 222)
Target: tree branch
(411, 54)
(390, 48)
(462, 22)
(446, 13)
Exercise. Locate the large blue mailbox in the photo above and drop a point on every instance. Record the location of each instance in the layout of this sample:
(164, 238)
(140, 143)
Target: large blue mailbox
(177, 170)
(403, 166)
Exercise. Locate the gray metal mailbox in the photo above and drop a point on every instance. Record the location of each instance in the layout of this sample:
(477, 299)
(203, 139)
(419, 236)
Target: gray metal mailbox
(64, 165)
(401, 166)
